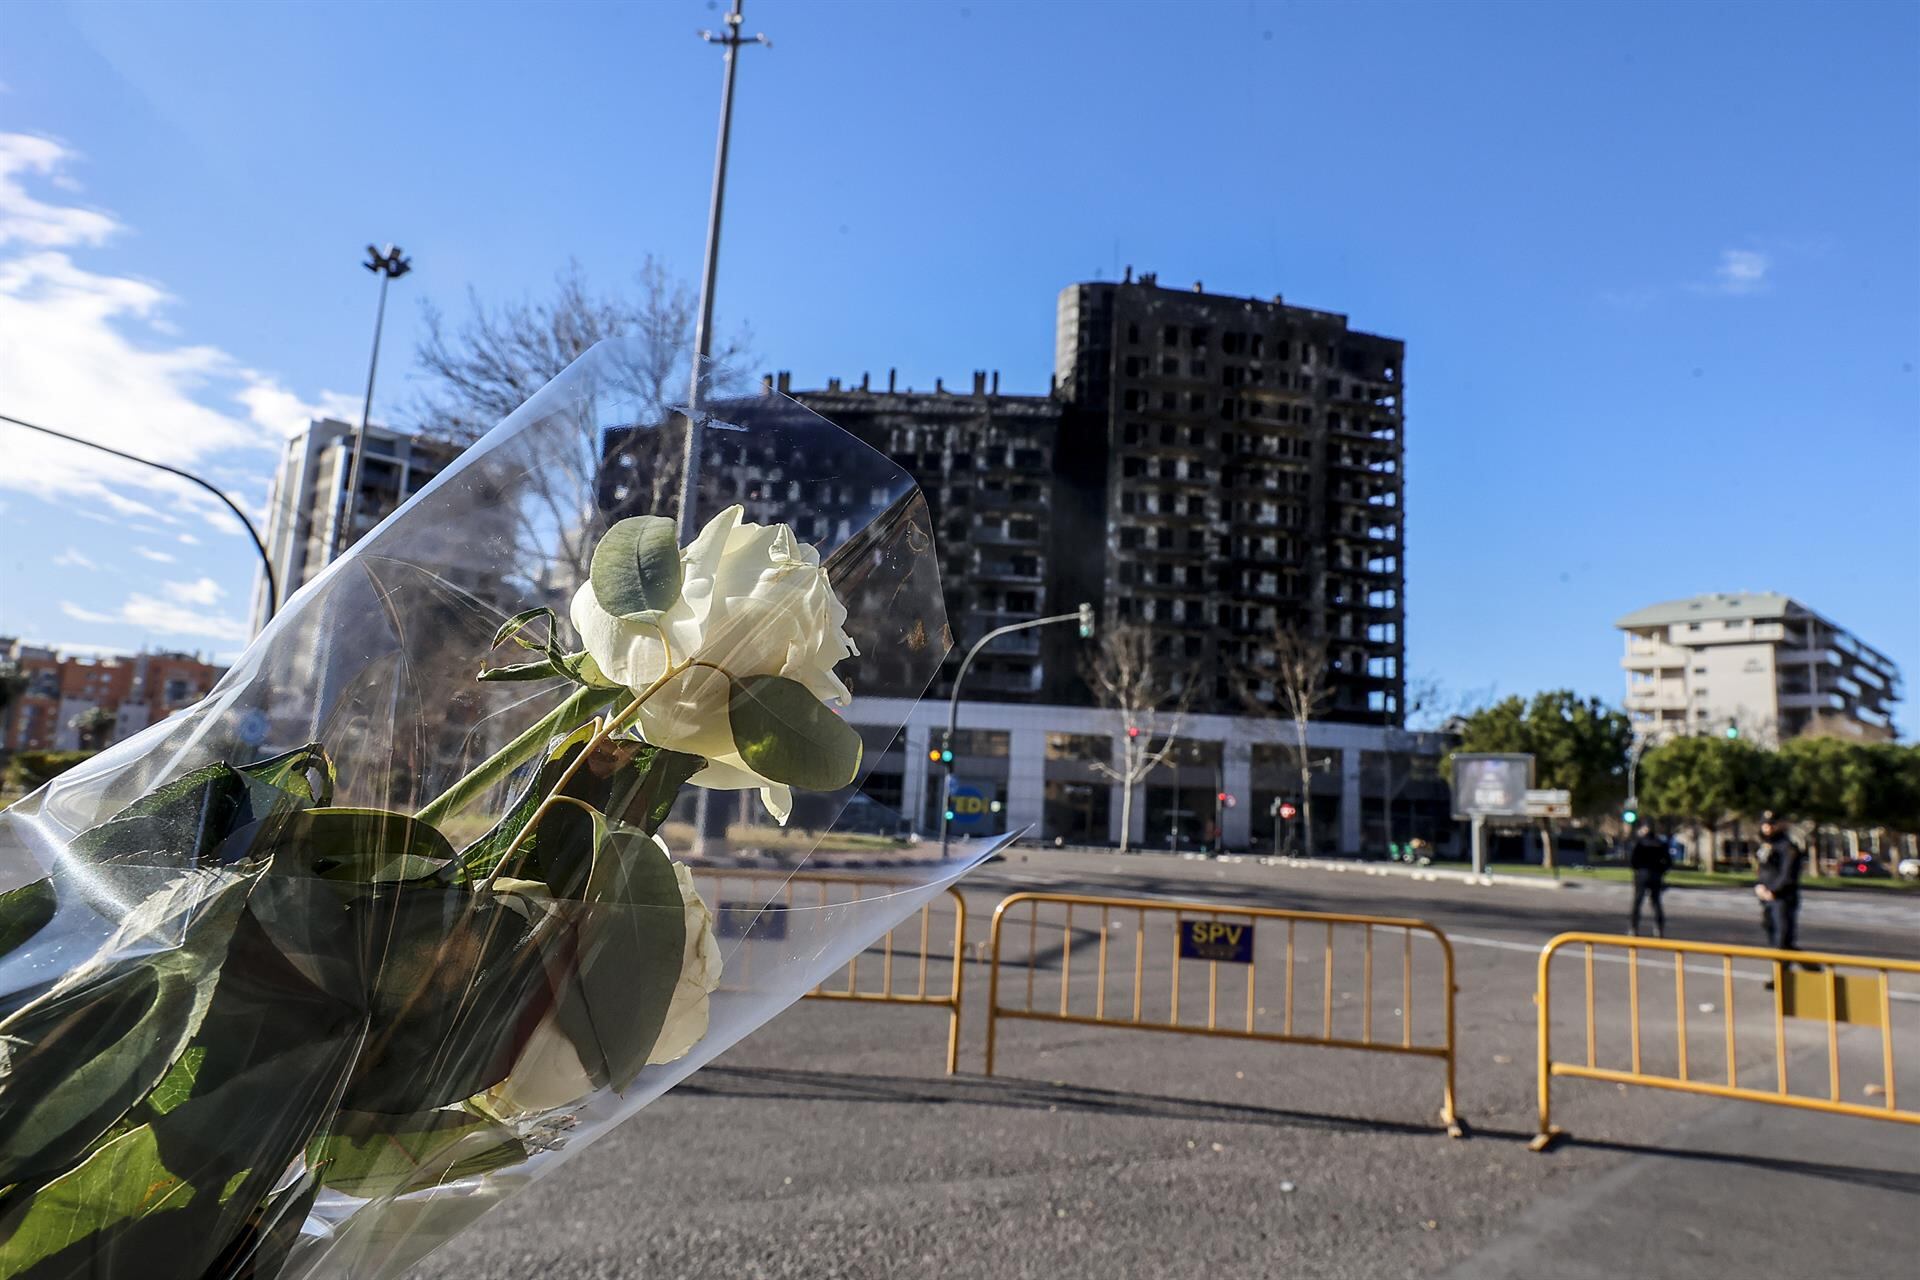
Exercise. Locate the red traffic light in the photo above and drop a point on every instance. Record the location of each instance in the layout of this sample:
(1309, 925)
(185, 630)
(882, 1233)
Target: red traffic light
(1288, 810)
(1133, 731)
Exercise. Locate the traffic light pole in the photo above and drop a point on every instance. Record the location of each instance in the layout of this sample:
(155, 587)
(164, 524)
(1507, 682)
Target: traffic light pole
(1083, 615)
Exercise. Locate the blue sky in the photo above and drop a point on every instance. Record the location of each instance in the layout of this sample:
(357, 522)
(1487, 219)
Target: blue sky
(1658, 267)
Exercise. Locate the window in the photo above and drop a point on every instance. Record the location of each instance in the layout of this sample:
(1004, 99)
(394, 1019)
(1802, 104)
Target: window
(1133, 333)
(1171, 337)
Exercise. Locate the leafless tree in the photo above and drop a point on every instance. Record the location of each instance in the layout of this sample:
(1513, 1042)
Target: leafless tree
(1149, 695)
(499, 356)
(1289, 679)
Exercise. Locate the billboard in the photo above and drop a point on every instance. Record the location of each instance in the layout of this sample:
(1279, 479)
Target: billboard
(1491, 785)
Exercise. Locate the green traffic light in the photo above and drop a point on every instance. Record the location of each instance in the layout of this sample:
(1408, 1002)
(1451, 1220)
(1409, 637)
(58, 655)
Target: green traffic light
(1733, 731)
(946, 757)
(949, 815)
(1630, 816)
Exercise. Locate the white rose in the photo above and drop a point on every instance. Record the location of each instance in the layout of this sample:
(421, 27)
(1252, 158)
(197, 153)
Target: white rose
(548, 1073)
(686, 1019)
(753, 601)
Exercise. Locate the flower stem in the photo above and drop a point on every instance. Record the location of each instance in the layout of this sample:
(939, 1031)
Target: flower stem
(586, 701)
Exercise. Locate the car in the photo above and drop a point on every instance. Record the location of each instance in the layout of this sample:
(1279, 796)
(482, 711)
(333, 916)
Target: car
(1864, 865)
(1909, 868)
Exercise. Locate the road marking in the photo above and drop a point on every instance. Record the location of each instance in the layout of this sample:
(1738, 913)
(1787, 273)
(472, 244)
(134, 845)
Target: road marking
(1650, 961)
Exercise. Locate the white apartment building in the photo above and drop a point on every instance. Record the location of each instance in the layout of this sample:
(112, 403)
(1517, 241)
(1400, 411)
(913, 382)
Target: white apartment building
(308, 498)
(1756, 662)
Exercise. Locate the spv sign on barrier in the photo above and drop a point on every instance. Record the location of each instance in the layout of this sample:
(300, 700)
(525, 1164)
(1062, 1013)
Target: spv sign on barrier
(1213, 940)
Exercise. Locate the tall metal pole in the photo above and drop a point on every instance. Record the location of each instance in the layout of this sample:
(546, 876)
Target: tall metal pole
(389, 266)
(730, 41)
(710, 814)
(266, 561)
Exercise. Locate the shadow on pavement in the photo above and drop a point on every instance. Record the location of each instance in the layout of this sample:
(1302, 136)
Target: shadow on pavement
(1035, 1095)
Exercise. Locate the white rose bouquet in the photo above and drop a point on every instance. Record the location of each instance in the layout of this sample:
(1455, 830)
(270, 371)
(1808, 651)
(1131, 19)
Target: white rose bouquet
(305, 1011)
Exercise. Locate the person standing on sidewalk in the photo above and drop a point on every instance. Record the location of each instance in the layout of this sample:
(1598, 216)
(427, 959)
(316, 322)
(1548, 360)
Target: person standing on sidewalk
(1778, 866)
(1650, 859)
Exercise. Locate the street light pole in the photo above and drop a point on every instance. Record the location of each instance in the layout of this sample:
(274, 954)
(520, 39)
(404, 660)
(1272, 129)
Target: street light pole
(710, 812)
(1082, 615)
(266, 561)
(389, 266)
(731, 41)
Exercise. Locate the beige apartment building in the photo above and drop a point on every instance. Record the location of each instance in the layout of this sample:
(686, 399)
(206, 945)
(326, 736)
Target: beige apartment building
(1756, 663)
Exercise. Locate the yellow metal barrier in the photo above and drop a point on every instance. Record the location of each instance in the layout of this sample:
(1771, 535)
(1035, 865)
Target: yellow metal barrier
(1823, 989)
(1209, 935)
(902, 973)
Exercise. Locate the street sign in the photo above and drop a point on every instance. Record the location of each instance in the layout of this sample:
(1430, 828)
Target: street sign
(1216, 940)
(1491, 785)
(764, 922)
(1549, 803)
(969, 805)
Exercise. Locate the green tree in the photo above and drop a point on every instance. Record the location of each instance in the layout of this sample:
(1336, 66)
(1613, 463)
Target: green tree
(1710, 781)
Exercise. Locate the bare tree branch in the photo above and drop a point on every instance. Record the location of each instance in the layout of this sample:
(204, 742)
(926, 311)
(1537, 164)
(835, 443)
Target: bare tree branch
(1140, 684)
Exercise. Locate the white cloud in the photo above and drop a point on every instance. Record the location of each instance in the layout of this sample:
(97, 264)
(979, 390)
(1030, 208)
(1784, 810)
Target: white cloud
(203, 591)
(158, 557)
(189, 540)
(182, 613)
(25, 220)
(1741, 271)
(74, 558)
(91, 353)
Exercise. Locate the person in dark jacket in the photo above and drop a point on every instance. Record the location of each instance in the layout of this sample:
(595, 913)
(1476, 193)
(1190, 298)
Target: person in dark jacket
(1778, 866)
(1650, 859)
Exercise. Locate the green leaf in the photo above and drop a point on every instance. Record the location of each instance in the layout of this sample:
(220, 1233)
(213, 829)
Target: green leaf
(512, 627)
(635, 782)
(294, 773)
(80, 1055)
(24, 912)
(786, 734)
(261, 1250)
(183, 1195)
(636, 568)
(458, 982)
(628, 948)
(374, 1156)
(80, 1223)
(361, 846)
(186, 819)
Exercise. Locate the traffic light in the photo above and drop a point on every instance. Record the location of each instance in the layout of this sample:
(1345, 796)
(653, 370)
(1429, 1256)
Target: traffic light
(1222, 797)
(946, 756)
(1086, 621)
(1733, 730)
(1630, 815)
(934, 755)
(1288, 811)
(1133, 731)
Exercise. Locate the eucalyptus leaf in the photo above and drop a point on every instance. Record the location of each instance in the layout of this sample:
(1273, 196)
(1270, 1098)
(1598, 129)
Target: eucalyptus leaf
(24, 912)
(375, 1156)
(786, 734)
(636, 568)
(629, 946)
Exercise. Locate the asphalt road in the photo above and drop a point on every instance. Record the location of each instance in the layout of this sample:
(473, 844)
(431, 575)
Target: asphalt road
(830, 1144)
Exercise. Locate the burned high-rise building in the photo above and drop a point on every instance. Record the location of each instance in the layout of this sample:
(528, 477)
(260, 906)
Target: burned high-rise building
(1253, 480)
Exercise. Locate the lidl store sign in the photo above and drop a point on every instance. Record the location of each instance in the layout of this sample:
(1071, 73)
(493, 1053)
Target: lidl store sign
(968, 805)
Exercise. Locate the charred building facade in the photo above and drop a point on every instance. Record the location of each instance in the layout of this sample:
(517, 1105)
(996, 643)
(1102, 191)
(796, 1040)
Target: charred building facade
(1254, 479)
(985, 462)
